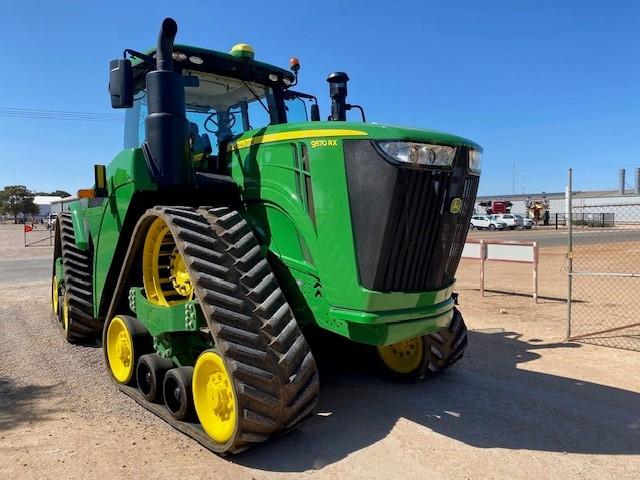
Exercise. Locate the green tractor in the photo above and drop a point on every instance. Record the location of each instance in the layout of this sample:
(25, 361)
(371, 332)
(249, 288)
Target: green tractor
(234, 220)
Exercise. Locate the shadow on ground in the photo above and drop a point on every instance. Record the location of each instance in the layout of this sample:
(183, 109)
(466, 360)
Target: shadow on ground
(484, 401)
(18, 403)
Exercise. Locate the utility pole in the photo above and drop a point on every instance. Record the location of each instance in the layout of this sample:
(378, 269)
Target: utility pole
(513, 179)
(523, 183)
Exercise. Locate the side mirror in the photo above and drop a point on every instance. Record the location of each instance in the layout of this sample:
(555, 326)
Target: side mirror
(315, 112)
(121, 83)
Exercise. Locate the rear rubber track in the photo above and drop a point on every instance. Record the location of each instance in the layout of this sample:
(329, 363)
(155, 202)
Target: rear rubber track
(253, 328)
(78, 283)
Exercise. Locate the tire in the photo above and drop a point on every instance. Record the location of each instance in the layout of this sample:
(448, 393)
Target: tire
(177, 393)
(77, 283)
(150, 374)
(492, 227)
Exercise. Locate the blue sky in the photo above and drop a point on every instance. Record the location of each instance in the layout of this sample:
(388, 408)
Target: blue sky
(547, 84)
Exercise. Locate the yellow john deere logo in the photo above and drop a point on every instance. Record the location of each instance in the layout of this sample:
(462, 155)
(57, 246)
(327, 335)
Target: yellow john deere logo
(456, 205)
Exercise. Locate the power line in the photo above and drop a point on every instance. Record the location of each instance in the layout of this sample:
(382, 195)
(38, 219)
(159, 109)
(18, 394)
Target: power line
(60, 115)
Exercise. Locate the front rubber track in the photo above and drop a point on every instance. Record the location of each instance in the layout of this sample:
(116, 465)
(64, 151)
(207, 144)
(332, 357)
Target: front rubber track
(78, 283)
(253, 327)
(447, 345)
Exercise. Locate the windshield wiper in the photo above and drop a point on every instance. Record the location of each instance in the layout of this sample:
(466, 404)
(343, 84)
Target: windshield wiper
(257, 98)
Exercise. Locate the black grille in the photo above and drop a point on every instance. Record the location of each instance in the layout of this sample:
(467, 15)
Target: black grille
(407, 239)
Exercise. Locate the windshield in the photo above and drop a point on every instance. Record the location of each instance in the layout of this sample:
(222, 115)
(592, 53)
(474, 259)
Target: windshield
(217, 108)
(224, 107)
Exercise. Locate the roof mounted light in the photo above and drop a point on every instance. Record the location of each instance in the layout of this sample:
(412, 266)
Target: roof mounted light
(196, 60)
(179, 56)
(294, 64)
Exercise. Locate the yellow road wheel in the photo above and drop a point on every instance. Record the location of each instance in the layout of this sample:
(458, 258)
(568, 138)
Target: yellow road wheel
(120, 352)
(214, 397)
(164, 271)
(65, 313)
(55, 292)
(403, 357)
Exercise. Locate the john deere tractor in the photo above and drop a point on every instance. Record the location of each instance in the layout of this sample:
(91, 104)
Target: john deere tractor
(235, 223)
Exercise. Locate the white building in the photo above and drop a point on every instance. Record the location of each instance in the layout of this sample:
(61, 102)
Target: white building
(44, 204)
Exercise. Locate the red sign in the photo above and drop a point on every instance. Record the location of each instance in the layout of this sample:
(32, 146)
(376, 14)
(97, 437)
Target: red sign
(27, 228)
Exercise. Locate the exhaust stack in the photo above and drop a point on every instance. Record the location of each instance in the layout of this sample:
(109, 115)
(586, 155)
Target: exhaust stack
(167, 129)
(621, 186)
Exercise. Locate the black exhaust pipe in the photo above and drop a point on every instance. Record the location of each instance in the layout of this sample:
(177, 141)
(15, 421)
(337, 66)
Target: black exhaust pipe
(167, 129)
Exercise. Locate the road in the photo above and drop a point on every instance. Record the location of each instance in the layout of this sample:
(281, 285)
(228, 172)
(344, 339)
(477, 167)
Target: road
(24, 270)
(521, 404)
(558, 238)
(32, 269)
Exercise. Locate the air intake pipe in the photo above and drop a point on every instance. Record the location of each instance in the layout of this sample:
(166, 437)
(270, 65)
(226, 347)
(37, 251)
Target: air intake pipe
(338, 93)
(167, 129)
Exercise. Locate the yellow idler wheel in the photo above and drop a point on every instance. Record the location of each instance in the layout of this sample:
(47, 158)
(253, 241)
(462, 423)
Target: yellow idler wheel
(403, 358)
(126, 341)
(55, 293)
(65, 314)
(164, 271)
(214, 397)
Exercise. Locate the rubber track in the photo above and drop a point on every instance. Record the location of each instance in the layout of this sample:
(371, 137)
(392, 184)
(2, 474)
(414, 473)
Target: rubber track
(446, 346)
(78, 282)
(252, 325)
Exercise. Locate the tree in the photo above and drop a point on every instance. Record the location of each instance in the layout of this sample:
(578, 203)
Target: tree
(60, 193)
(55, 193)
(16, 200)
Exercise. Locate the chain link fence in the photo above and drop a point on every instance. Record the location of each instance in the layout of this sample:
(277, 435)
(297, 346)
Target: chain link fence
(604, 269)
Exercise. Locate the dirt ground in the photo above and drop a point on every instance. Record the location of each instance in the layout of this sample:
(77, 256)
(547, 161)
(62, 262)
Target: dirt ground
(523, 403)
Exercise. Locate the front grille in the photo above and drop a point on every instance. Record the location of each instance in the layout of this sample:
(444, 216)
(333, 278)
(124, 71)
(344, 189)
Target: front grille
(407, 239)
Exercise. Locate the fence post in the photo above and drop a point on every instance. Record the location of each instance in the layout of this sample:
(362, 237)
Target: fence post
(483, 252)
(535, 272)
(569, 252)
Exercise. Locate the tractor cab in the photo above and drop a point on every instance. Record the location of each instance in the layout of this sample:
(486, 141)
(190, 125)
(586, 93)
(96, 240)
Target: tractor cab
(225, 95)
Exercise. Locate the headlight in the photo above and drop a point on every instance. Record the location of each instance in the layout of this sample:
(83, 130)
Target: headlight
(422, 154)
(475, 162)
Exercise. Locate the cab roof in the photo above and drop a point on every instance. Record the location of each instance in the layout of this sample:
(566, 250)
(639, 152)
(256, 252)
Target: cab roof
(220, 63)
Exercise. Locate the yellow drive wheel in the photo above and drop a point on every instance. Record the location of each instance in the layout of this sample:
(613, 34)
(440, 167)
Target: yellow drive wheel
(214, 397)
(179, 275)
(164, 272)
(120, 353)
(404, 357)
(55, 292)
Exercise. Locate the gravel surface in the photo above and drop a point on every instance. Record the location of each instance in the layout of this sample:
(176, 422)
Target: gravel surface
(521, 404)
